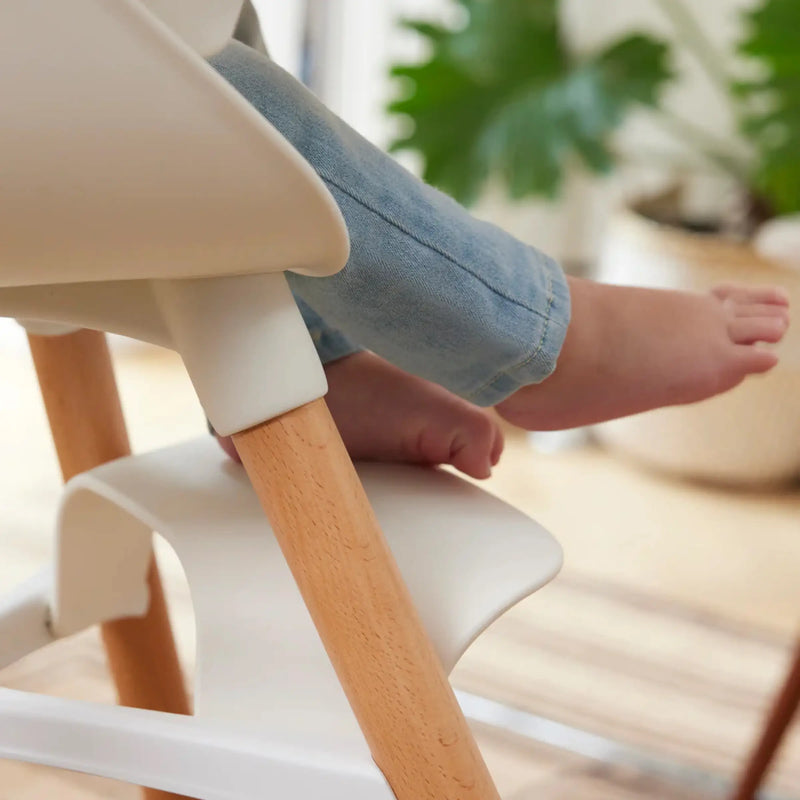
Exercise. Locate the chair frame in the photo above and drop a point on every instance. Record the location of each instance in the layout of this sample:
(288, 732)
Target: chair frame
(76, 379)
(196, 264)
(348, 578)
(77, 383)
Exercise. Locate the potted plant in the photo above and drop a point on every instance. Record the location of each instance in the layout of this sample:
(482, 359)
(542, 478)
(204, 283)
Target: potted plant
(502, 96)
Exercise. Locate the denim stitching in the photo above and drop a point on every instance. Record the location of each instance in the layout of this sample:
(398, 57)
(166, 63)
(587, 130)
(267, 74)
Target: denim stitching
(539, 347)
(433, 247)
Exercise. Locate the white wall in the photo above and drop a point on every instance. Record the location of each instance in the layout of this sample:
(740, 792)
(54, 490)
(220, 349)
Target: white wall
(282, 24)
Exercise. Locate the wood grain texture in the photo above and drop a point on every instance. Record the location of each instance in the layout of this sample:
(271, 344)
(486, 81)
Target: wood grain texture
(77, 382)
(361, 607)
(609, 782)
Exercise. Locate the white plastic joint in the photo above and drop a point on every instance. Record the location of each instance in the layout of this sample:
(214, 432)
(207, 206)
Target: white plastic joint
(245, 346)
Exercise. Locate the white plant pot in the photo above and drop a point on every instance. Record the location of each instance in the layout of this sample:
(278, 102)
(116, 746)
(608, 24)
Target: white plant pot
(748, 436)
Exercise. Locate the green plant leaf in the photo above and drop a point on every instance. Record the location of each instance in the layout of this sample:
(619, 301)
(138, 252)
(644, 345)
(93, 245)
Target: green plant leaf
(503, 96)
(771, 121)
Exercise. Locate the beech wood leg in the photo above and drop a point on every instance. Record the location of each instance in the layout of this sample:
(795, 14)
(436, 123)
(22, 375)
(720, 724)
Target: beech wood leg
(777, 722)
(362, 609)
(80, 395)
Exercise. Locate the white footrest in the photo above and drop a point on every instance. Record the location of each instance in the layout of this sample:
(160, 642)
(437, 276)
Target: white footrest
(261, 668)
(465, 555)
(25, 617)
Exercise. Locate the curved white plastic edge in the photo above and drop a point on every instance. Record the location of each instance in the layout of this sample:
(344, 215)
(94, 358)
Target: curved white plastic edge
(166, 171)
(25, 618)
(324, 217)
(185, 755)
(101, 564)
(245, 346)
(242, 338)
(465, 555)
(42, 328)
(124, 307)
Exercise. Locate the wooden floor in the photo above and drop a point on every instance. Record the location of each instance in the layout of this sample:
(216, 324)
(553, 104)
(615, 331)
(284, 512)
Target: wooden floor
(667, 630)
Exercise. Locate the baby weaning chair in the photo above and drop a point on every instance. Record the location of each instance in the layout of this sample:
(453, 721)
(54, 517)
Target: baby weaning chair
(139, 194)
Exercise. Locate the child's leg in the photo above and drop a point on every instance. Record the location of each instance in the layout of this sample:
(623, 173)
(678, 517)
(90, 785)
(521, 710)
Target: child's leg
(385, 414)
(629, 350)
(427, 287)
(462, 303)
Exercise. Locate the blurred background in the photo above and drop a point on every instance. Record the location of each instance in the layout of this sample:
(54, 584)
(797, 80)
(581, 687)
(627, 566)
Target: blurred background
(650, 143)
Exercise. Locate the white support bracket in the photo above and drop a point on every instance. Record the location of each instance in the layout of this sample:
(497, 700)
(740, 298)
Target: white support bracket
(245, 346)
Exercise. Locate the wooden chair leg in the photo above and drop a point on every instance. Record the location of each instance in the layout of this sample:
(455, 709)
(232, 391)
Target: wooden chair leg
(349, 580)
(780, 716)
(80, 395)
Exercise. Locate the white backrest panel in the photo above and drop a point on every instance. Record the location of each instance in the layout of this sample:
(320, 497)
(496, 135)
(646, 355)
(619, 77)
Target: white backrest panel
(124, 155)
(205, 25)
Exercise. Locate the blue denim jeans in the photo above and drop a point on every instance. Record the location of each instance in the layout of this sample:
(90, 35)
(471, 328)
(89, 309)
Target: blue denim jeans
(428, 287)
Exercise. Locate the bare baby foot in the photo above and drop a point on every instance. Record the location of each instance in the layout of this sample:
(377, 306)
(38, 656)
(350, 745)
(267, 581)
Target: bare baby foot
(629, 350)
(385, 414)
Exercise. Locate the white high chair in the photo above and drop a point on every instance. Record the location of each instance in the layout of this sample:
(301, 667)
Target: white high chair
(140, 194)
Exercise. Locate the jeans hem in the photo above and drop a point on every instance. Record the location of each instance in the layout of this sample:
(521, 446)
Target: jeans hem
(539, 363)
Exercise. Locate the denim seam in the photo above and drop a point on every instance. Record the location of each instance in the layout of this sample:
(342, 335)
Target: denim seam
(537, 350)
(435, 249)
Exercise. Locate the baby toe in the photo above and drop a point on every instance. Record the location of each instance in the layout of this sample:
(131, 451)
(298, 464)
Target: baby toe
(468, 458)
(498, 444)
(754, 360)
(770, 295)
(748, 330)
(474, 447)
(761, 310)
